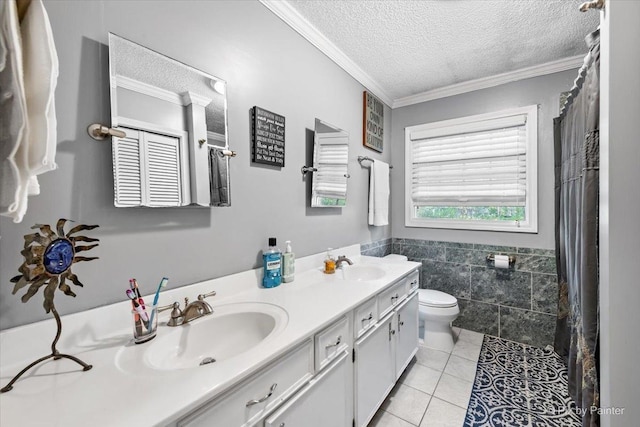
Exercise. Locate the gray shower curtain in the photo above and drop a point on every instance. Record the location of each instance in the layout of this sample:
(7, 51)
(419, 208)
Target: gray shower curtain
(576, 134)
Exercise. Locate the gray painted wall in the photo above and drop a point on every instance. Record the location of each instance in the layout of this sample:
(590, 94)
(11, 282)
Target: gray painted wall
(265, 63)
(619, 207)
(544, 91)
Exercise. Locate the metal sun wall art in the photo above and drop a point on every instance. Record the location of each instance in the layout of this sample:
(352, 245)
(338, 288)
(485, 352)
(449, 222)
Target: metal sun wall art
(48, 256)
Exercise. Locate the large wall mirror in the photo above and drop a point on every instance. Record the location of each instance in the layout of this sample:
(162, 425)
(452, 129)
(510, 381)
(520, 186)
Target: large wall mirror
(330, 161)
(175, 120)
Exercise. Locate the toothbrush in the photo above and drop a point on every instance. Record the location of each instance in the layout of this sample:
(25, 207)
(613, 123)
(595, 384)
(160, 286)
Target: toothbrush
(143, 314)
(161, 285)
(138, 297)
(156, 297)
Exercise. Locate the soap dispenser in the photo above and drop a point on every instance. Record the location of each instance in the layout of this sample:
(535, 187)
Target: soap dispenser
(288, 263)
(272, 264)
(329, 263)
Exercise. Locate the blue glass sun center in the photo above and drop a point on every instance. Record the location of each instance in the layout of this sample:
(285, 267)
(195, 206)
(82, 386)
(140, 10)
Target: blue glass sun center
(58, 256)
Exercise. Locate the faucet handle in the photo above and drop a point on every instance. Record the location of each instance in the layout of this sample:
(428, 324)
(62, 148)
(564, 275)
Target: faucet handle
(174, 305)
(176, 313)
(201, 297)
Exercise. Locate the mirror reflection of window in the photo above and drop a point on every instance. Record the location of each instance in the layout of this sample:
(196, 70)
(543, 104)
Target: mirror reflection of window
(152, 94)
(331, 159)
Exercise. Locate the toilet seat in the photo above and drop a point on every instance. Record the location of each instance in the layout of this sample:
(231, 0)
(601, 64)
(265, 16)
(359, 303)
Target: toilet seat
(433, 298)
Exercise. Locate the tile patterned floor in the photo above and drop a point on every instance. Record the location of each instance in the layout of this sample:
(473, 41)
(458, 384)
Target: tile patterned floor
(434, 390)
(520, 385)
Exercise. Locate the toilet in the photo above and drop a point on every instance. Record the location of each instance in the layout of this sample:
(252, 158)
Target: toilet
(436, 312)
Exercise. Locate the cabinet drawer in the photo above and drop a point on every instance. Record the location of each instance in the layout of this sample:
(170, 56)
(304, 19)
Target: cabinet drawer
(413, 282)
(391, 296)
(325, 402)
(366, 315)
(331, 342)
(246, 403)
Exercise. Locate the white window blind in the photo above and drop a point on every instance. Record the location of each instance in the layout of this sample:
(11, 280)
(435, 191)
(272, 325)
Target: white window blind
(331, 159)
(474, 164)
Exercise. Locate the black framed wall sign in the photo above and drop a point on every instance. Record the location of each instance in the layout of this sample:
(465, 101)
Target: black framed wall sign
(372, 122)
(267, 137)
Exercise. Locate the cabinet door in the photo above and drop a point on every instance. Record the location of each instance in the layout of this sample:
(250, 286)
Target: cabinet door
(325, 402)
(406, 326)
(374, 369)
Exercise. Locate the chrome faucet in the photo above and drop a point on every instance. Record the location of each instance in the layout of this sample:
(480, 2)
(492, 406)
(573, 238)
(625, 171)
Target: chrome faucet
(342, 259)
(191, 311)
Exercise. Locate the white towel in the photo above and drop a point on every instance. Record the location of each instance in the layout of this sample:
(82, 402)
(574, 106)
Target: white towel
(40, 80)
(14, 169)
(379, 193)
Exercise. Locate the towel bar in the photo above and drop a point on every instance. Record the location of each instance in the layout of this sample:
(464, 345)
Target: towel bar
(363, 158)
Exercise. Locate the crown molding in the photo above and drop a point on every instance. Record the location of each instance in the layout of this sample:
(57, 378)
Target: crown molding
(283, 10)
(486, 82)
(286, 12)
(147, 89)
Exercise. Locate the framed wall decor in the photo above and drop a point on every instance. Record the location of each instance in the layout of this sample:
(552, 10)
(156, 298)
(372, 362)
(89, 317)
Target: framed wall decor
(267, 137)
(372, 122)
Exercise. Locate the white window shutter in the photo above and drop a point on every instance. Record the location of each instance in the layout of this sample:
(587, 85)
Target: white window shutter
(163, 170)
(147, 170)
(126, 170)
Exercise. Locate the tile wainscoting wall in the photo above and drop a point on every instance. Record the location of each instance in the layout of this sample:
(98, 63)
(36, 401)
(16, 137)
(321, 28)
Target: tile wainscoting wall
(518, 304)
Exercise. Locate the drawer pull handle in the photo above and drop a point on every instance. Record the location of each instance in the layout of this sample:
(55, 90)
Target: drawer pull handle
(395, 298)
(262, 399)
(366, 319)
(400, 322)
(335, 344)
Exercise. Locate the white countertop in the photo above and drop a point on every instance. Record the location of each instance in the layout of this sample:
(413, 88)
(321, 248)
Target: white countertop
(59, 393)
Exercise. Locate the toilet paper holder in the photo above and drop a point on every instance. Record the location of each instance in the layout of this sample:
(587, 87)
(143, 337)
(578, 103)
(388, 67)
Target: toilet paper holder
(491, 260)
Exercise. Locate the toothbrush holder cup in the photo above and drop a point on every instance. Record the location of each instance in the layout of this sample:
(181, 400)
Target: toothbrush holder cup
(145, 323)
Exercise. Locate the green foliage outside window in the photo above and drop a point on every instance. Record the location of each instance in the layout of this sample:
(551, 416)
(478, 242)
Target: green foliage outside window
(326, 201)
(474, 213)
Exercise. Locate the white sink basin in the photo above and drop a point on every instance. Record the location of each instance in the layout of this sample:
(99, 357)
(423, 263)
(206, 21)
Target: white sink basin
(362, 273)
(231, 330)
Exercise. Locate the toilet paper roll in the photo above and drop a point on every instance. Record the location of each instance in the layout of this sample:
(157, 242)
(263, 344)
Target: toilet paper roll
(502, 261)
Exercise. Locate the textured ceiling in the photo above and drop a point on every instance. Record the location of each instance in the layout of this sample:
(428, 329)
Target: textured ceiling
(411, 47)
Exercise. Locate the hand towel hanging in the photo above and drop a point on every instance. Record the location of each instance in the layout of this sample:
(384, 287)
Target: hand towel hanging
(379, 193)
(14, 169)
(219, 177)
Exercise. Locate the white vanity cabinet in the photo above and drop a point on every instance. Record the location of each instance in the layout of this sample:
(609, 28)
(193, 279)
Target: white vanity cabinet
(406, 336)
(374, 369)
(324, 402)
(383, 353)
(329, 380)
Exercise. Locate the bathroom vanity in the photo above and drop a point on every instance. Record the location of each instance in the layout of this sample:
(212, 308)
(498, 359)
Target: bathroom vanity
(324, 350)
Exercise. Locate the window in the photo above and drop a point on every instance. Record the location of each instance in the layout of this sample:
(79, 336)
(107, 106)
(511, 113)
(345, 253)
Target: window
(475, 173)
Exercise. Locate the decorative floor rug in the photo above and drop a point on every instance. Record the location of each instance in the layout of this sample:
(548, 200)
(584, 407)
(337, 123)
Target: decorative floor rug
(519, 385)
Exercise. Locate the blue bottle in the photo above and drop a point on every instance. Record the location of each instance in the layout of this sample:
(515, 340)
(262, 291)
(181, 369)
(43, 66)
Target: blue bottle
(272, 263)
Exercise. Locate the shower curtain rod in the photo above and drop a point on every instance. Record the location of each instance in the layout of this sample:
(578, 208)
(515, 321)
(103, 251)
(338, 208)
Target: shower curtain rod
(596, 4)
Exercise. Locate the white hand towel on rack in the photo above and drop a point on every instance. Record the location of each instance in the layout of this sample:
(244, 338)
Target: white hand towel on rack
(40, 79)
(14, 166)
(379, 193)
